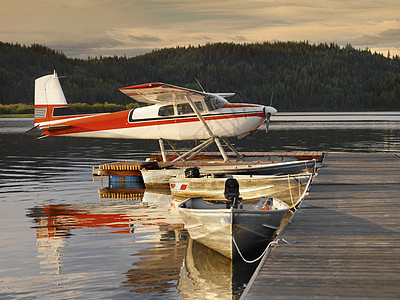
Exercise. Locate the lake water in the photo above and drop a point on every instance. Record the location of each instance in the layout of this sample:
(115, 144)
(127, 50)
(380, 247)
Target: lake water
(60, 238)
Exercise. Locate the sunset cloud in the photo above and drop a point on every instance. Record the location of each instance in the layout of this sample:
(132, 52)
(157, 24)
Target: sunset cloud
(82, 28)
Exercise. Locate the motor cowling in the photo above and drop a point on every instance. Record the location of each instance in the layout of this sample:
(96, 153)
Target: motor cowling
(150, 165)
(268, 111)
(192, 172)
(231, 189)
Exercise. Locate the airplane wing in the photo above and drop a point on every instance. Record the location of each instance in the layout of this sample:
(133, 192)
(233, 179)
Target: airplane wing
(159, 92)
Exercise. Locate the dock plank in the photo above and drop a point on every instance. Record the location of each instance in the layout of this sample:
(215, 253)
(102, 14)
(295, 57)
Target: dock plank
(347, 233)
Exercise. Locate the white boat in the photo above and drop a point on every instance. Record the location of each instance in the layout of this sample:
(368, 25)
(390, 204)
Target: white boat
(290, 188)
(233, 228)
(156, 177)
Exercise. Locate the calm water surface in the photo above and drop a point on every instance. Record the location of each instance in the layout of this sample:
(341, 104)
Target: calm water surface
(63, 236)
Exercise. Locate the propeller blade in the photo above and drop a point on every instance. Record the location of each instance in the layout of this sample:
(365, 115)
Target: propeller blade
(272, 96)
(267, 122)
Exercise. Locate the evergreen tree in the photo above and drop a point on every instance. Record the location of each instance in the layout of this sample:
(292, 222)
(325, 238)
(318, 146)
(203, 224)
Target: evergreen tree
(302, 76)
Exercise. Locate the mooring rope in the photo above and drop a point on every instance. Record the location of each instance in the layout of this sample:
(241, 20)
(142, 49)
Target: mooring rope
(265, 251)
(286, 242)
(290, 190)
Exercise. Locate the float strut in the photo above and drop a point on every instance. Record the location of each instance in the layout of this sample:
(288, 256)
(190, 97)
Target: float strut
(164, 155)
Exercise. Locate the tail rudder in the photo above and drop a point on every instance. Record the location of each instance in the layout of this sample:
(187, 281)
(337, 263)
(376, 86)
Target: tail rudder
(49, 97)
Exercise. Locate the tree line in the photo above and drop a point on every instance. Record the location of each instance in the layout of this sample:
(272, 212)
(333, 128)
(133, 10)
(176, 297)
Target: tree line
(301, 76)
(78, 108)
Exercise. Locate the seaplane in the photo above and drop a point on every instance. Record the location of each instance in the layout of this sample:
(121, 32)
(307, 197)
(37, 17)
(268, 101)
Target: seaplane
(171, 113)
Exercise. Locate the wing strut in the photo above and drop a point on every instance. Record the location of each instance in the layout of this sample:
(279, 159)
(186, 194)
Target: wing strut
(162, 148)
(216, 140)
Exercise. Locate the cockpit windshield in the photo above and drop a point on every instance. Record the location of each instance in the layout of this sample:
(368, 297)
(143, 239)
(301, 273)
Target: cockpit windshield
(214, 102)
(210, 103)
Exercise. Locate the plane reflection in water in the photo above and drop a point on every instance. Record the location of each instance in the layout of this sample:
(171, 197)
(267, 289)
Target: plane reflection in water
(160, 257)
(55, 224)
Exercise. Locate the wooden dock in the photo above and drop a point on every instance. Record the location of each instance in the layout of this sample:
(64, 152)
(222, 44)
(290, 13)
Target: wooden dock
(347, 233)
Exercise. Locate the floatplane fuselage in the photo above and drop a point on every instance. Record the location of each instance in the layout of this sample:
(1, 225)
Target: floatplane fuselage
(176, 113)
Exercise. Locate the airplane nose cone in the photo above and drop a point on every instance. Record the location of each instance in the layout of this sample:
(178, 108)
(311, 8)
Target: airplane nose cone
(269, 110)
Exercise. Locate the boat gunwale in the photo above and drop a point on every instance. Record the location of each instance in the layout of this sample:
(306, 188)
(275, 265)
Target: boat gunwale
(212, 207)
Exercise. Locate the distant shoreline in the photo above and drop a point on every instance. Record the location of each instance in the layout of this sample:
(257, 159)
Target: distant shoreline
(336, 116)
(304, 116)
(16, 115)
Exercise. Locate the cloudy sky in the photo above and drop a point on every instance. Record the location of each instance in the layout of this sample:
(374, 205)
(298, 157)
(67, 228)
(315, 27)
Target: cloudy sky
(82, 28)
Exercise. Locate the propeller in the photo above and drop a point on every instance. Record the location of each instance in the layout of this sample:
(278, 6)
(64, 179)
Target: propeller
(267, 122)
(268, 111)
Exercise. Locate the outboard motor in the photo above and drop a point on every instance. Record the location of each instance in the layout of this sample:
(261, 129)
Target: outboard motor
(231, 193)
(192, 172)
(150, 165)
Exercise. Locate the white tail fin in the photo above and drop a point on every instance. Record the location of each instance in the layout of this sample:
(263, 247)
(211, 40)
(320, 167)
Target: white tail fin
(48, 96)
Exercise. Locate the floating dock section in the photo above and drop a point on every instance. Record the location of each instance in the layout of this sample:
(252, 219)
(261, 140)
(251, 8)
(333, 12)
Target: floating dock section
(347, 233)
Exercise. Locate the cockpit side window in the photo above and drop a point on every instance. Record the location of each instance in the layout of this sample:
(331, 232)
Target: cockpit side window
(182, 109)
(185, 108)
(199, 105)
(167, 110)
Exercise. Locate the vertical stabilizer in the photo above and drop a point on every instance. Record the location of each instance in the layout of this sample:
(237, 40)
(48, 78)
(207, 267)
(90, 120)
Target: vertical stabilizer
(48, 95)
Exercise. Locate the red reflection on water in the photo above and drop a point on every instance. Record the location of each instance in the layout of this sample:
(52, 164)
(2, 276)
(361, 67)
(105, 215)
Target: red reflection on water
(58, 220)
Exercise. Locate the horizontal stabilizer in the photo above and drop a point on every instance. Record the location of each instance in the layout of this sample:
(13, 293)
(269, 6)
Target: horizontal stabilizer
(37, 131)
(34, 131)
(53, 128)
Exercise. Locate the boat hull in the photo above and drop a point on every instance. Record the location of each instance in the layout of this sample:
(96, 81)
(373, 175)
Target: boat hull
(254, 230)
(211, 228)
(161, 177)
(230, 231)
(290, 189)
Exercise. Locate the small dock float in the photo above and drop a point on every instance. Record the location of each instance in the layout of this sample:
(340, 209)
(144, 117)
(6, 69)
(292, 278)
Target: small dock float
(120, 194)
(347, 233)
(132, 168)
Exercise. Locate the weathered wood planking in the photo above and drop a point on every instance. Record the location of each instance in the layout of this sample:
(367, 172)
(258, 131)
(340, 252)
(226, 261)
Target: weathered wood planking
(347, 233)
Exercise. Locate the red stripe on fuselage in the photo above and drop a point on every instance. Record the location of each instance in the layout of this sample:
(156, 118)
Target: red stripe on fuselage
(119, 120)
(236, 105)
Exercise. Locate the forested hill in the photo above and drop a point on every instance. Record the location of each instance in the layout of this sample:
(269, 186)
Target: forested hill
(302, 76)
